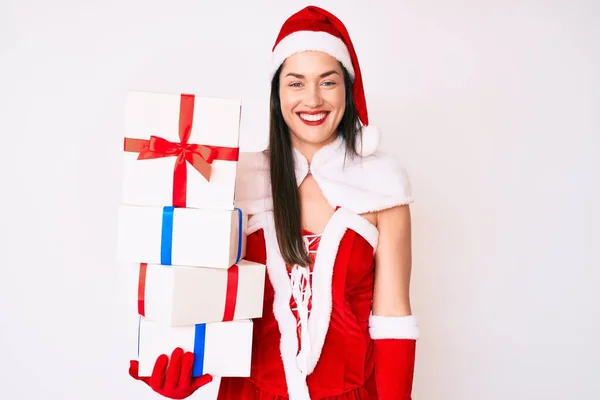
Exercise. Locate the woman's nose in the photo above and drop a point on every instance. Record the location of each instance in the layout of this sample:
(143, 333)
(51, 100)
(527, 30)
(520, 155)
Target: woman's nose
(313, 96)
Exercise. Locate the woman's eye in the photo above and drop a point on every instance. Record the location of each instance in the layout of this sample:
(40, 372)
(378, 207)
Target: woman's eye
(295, 84)
(329, 83)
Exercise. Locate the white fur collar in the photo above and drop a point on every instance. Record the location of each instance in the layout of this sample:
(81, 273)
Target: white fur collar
(360, 184)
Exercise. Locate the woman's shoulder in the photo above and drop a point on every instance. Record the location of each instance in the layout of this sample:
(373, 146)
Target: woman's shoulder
(367, 184)
(382, 165)
(253, 160)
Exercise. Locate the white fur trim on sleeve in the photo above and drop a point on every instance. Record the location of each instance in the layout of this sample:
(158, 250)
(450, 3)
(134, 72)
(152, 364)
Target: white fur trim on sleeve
(393, 327)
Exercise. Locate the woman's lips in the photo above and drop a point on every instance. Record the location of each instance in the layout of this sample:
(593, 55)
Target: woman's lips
(313, 118)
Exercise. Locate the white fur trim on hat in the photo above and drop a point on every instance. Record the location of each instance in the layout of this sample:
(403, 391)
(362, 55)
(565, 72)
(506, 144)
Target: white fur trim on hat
(311, 41)
(393, 327)
(371, 136)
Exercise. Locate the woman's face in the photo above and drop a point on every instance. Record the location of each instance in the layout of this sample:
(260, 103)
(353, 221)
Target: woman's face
(312, 97)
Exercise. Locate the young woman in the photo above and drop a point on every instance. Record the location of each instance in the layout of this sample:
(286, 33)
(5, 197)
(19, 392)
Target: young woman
(330, 218)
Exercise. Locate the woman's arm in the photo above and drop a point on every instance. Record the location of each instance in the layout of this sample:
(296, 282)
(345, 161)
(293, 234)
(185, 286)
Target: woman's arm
(393, 261)
(392, 326)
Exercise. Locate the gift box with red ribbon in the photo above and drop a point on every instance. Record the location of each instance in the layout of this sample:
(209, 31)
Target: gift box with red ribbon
(190, 237)
(177, 296)
(220, 349)
(180, 150)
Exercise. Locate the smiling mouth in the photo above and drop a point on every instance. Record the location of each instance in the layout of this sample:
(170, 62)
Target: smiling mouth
(313, 118)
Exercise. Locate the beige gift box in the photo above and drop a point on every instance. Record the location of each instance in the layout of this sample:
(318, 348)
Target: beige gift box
(177, 295)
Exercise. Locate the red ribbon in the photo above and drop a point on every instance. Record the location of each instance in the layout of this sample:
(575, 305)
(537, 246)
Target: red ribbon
(142, 289)
(199, 156)
(231, 296)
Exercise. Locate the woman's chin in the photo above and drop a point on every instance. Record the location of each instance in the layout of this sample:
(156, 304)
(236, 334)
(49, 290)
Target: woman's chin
(315, 135)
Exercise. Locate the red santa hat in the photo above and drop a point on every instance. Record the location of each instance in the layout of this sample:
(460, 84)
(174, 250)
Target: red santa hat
(315, 29)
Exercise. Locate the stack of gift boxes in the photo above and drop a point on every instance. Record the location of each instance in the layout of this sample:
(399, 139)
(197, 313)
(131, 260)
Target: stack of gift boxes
(180, 231)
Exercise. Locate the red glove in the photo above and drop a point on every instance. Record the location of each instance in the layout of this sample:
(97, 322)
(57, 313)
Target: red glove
(176, 381)
(394, 341)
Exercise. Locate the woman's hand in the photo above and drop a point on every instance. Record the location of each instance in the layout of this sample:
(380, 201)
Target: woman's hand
(176, 381)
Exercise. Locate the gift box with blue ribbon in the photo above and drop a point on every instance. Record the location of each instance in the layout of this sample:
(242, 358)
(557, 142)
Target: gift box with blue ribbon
(182, 236)
(220, 349)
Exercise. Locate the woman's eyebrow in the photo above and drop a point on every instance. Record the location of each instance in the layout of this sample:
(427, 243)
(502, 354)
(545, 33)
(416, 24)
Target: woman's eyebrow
(323, 75)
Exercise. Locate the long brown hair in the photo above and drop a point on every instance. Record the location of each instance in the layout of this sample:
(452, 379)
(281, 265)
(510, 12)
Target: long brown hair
(284, 187)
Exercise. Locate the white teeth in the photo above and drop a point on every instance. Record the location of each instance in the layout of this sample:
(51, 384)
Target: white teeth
(313, 117)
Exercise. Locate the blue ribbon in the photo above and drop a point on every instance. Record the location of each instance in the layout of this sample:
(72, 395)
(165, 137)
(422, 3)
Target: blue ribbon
(166, 243)
(239, 252)
(199, 342)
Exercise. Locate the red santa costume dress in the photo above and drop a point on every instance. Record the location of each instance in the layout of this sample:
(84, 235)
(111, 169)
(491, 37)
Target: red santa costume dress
(318, 338)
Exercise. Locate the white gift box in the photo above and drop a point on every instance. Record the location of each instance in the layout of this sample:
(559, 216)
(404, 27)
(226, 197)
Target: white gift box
(181, 236)
(213, 122)
(177, 295)
(220, 349)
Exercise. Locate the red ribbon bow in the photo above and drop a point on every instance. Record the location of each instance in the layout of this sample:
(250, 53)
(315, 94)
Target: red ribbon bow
(199, 156)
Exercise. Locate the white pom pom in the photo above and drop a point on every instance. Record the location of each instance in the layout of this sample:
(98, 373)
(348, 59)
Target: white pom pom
(371, 136)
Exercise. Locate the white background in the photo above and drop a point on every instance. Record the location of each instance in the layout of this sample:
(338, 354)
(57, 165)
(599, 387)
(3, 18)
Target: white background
(492, 105)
